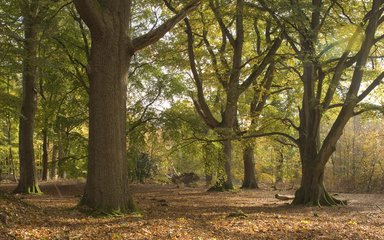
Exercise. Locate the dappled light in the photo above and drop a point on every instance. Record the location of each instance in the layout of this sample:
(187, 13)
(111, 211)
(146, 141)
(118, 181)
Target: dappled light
(198, 119)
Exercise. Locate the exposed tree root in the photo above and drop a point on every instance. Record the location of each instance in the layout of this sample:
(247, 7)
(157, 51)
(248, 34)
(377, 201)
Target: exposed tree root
(87, 206)
(35, 189)
(316, 197)
(221, 187)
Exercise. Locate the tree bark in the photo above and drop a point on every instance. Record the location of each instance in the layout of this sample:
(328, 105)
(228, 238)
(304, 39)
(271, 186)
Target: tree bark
(107, 179)
(28, 182)
(107, 182)
(45, 155)
(312, 191)
(11, 161)
(61, 158)
(112, 48)
(54, 162)
(249, 181)
(228, 184)
(279, 168)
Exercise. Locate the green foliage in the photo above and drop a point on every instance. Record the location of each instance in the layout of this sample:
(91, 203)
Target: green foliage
(165, 133)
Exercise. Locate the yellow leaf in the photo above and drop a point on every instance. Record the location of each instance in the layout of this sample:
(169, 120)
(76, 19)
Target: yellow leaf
(351, 222)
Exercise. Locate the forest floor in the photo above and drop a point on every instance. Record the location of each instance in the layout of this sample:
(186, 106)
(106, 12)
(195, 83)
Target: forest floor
(170, 212)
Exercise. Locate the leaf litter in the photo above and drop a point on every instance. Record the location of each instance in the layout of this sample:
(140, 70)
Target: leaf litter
(169, 212)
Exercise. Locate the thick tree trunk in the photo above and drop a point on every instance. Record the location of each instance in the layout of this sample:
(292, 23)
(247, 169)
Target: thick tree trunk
(28, 183)
(45, 155)
(249, 181)
(112, 48)
(312, 191)
(107, 180)
(228, 184)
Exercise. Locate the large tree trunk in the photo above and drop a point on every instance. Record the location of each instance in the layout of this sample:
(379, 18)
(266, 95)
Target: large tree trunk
(107, 180)
(228, 184)
(28, 183)
(312, 191)
(112, 48)
(249, 181)
(45, 155)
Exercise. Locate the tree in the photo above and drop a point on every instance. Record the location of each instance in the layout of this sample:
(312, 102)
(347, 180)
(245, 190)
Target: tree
(225, 71)
(322, 75)
(63, 93)
(112, 49)
(31, 21)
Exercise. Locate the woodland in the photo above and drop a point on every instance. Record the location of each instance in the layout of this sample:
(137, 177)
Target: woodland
(191, 119)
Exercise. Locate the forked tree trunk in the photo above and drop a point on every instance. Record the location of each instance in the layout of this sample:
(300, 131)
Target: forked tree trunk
(107, 180)
(314, 155)
(249, 181)
(27, 182)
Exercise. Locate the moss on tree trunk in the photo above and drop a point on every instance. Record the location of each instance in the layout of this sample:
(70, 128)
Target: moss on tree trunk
(312, 191)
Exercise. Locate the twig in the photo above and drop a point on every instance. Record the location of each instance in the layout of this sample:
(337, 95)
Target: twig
(380, 208)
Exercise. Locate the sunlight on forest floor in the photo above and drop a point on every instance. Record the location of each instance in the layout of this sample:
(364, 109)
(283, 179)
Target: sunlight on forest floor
(169, 212)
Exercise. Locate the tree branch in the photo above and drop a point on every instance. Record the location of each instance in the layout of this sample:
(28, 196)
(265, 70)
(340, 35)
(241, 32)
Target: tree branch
(219, 19)
(260, 68)
(371, 87)
(200, 103)
(154, 35)
(91, 12)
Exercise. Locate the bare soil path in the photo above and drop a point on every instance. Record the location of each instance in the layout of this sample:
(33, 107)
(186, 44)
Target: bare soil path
(169, 212)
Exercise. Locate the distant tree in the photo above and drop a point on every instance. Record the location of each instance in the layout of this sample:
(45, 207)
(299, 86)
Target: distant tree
(223, 68)
(31, 17)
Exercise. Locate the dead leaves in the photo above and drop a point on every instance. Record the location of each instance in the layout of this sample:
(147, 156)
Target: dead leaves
(170, 213)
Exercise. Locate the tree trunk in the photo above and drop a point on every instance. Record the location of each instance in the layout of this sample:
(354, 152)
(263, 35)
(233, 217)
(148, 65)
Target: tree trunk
(45, 155)
(11, 161)
(249, 181)
(279, 168)
(107, 180)
(228, 184)
(210, 155)
(112, 49)
(312, 191)
(54, 162)
(61, 158)
(28, 182)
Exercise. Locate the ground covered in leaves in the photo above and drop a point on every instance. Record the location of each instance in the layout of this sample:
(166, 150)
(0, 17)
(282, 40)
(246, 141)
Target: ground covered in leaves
(171, 212)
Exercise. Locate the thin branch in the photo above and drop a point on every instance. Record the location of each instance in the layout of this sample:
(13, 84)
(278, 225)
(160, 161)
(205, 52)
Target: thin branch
(219, 19)
(371, 87)
(260, 68)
